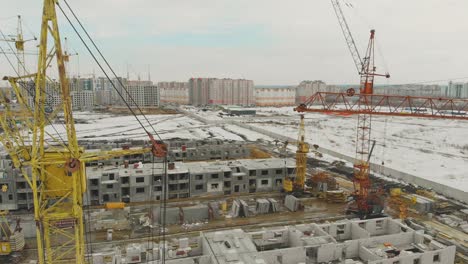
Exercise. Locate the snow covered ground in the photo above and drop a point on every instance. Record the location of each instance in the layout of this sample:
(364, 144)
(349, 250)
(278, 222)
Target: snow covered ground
(433, 149)
(429, 148)
(92, 126)
(436, 150)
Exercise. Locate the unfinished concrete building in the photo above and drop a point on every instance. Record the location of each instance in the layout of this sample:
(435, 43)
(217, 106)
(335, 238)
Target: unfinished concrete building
(104, 187)
(179, 150)
(143, 182)
(374, 241)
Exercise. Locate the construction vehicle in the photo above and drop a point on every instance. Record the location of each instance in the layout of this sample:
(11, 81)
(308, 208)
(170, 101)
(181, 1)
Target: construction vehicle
(400, 203)
(57, 177)
(10, 240)
(316, 184)
(324, 186)
(296, 185)
(320, 183)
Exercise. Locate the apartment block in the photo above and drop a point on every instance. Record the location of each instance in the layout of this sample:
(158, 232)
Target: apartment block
(53, 94)
(432, 90)
(82, 100)
(174, 92)
(81, 84)
(141, 93)
(275, 96)
(213, 91)
(308, 88)
(115, 185)
(103, 97)
(143, 182)
(457, 90)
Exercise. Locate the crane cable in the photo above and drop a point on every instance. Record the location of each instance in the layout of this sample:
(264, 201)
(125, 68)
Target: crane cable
(48, 120)
(102, 69)
(30, 94)
(163, 200)
(108, 65)
(379, 50)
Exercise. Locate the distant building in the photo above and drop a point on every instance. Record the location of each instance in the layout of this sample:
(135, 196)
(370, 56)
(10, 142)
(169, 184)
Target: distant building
(81, 84)
(432, 90)
(275, 96)
(174, 92)
(103, 97)
(53, 94)
(212, 91)
(308, 88)
(141, 93)
(82, 100)
(239, 111)
(87, 92)
(457, 90)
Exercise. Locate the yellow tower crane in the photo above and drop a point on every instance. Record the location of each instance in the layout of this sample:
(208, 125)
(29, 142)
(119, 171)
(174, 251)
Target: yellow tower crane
(54, 168)
(297, 184)
(19, 45)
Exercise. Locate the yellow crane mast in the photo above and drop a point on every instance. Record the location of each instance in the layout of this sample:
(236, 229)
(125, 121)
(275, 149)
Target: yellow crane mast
(53, 168)
(297, 185)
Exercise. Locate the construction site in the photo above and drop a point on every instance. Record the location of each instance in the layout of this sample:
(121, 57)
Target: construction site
(345, 176)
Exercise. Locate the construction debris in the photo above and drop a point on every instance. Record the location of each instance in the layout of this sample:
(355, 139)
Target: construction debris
(103, 219)
(451, 220)
(338, 196)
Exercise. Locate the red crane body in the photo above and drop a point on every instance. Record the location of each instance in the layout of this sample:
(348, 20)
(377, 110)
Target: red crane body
(368, 201)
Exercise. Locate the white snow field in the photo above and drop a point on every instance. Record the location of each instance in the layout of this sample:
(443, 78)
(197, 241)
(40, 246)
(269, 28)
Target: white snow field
(434, 149)
(92, 126)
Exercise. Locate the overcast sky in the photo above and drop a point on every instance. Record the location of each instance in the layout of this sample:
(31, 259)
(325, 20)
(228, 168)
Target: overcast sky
(268, 41)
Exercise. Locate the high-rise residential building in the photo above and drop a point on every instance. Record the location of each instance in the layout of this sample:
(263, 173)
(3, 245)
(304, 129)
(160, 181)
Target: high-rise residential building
(81, 84)
(104, 84)
(82, 100)
(174, 92)
(103, 97)
(213, 91)
(141, 93)
(308, 88)
(457, 90)
(53, 94)
(275, 96)
(431, 90)
(87, 92)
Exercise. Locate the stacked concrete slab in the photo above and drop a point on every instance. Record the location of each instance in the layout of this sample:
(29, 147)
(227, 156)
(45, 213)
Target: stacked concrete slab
(265, 206)
(292, 203)
(191, 214)
(240, 209)
(275, 207)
